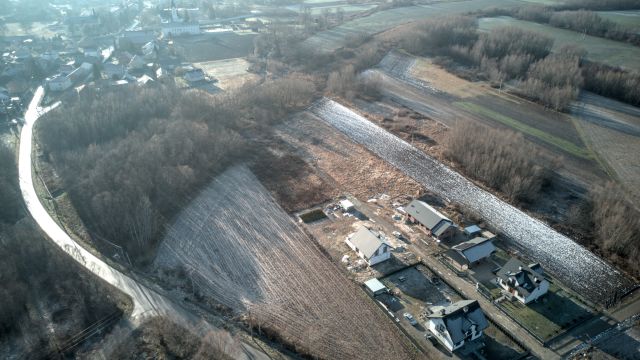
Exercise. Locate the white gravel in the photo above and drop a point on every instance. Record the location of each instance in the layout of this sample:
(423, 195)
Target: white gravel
(574, 265)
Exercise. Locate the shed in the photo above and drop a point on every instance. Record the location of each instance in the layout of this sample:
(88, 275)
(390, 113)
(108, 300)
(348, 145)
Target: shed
(346, 205)
(472, 230)
(375, 287)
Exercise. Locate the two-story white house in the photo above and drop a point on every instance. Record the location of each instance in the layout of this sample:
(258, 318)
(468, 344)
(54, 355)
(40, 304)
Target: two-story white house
(525, 283)
(369, 246)
(457, 324)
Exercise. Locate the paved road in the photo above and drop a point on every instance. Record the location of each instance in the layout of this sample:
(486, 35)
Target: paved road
(147, 302)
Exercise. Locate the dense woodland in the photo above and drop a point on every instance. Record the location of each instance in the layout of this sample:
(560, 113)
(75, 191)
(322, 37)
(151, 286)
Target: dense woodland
(45, 299)
(522, 58)
(159, 338)
(131, 159)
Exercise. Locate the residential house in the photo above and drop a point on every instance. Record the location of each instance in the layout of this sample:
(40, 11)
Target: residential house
(525, 283)
(347, 205)
(430, 219)
(472, 230)
(136, 38)
(457, 324)
(470, 252)
(194, 75)
(113, 71)
(58, 83)
(369, 246)
(136, 63)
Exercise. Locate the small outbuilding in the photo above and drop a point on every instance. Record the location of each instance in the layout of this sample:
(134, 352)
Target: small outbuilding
(472, 230)
(375, 287)
(371, 247)
(430, 219)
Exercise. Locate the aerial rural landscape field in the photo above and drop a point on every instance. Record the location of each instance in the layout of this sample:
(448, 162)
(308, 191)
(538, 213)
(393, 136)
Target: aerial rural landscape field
(327, 179)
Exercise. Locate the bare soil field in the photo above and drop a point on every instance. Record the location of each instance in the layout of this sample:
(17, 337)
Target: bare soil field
(574, 265)
(246, 253)
(230, 73)
(214, 46)
(614, 135)
(344, 165)
(599, 49)
(335, 38)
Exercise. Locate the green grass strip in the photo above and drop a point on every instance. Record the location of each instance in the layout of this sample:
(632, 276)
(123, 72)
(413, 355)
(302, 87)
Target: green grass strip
(561, 144)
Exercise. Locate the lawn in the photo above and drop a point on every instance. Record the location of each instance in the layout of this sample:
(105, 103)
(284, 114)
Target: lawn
(230, 73)
(550, 139)
(550, 316)
(601, 50)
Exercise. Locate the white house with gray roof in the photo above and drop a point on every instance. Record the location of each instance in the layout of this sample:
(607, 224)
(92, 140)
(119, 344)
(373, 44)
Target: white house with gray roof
(525, 283)
(430, 219)
(370, 246)
(457, 324)
(472, 251)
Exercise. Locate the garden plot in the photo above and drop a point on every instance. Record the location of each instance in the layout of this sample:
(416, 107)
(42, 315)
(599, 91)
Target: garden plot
(245, 252)
(574, 265)
(610, 52)
(230, 73)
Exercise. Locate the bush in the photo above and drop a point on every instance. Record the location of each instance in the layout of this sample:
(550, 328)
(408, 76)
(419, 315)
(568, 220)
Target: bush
(501, 159)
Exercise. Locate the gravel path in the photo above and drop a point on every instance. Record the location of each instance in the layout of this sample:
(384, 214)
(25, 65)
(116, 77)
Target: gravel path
(574, 265)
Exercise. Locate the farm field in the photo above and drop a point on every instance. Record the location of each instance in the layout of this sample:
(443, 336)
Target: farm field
(319, 8)
(246, 253)
(428, 89)
(601, 50)
(333, 39)
(214, 46)
(629, 19)
(230, 73)
(613, 131)
(574, 265)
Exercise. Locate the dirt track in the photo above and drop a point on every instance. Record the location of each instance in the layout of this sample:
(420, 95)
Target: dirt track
(575, 266)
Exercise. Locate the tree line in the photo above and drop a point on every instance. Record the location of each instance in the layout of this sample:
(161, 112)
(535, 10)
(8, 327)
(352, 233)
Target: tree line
(46, 299)
(130, 159)
(501, 159)
(616, 220)
(522, 57)
(580, 20)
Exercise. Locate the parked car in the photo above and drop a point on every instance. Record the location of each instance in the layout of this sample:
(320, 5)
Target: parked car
(411, 319)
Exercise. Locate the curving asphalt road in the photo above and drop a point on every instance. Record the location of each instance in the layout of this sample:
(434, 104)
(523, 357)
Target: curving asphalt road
(147, 302)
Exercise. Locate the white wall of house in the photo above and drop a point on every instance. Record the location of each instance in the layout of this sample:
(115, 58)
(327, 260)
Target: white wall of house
(436, 324)
(383, 253)
(539, 291)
